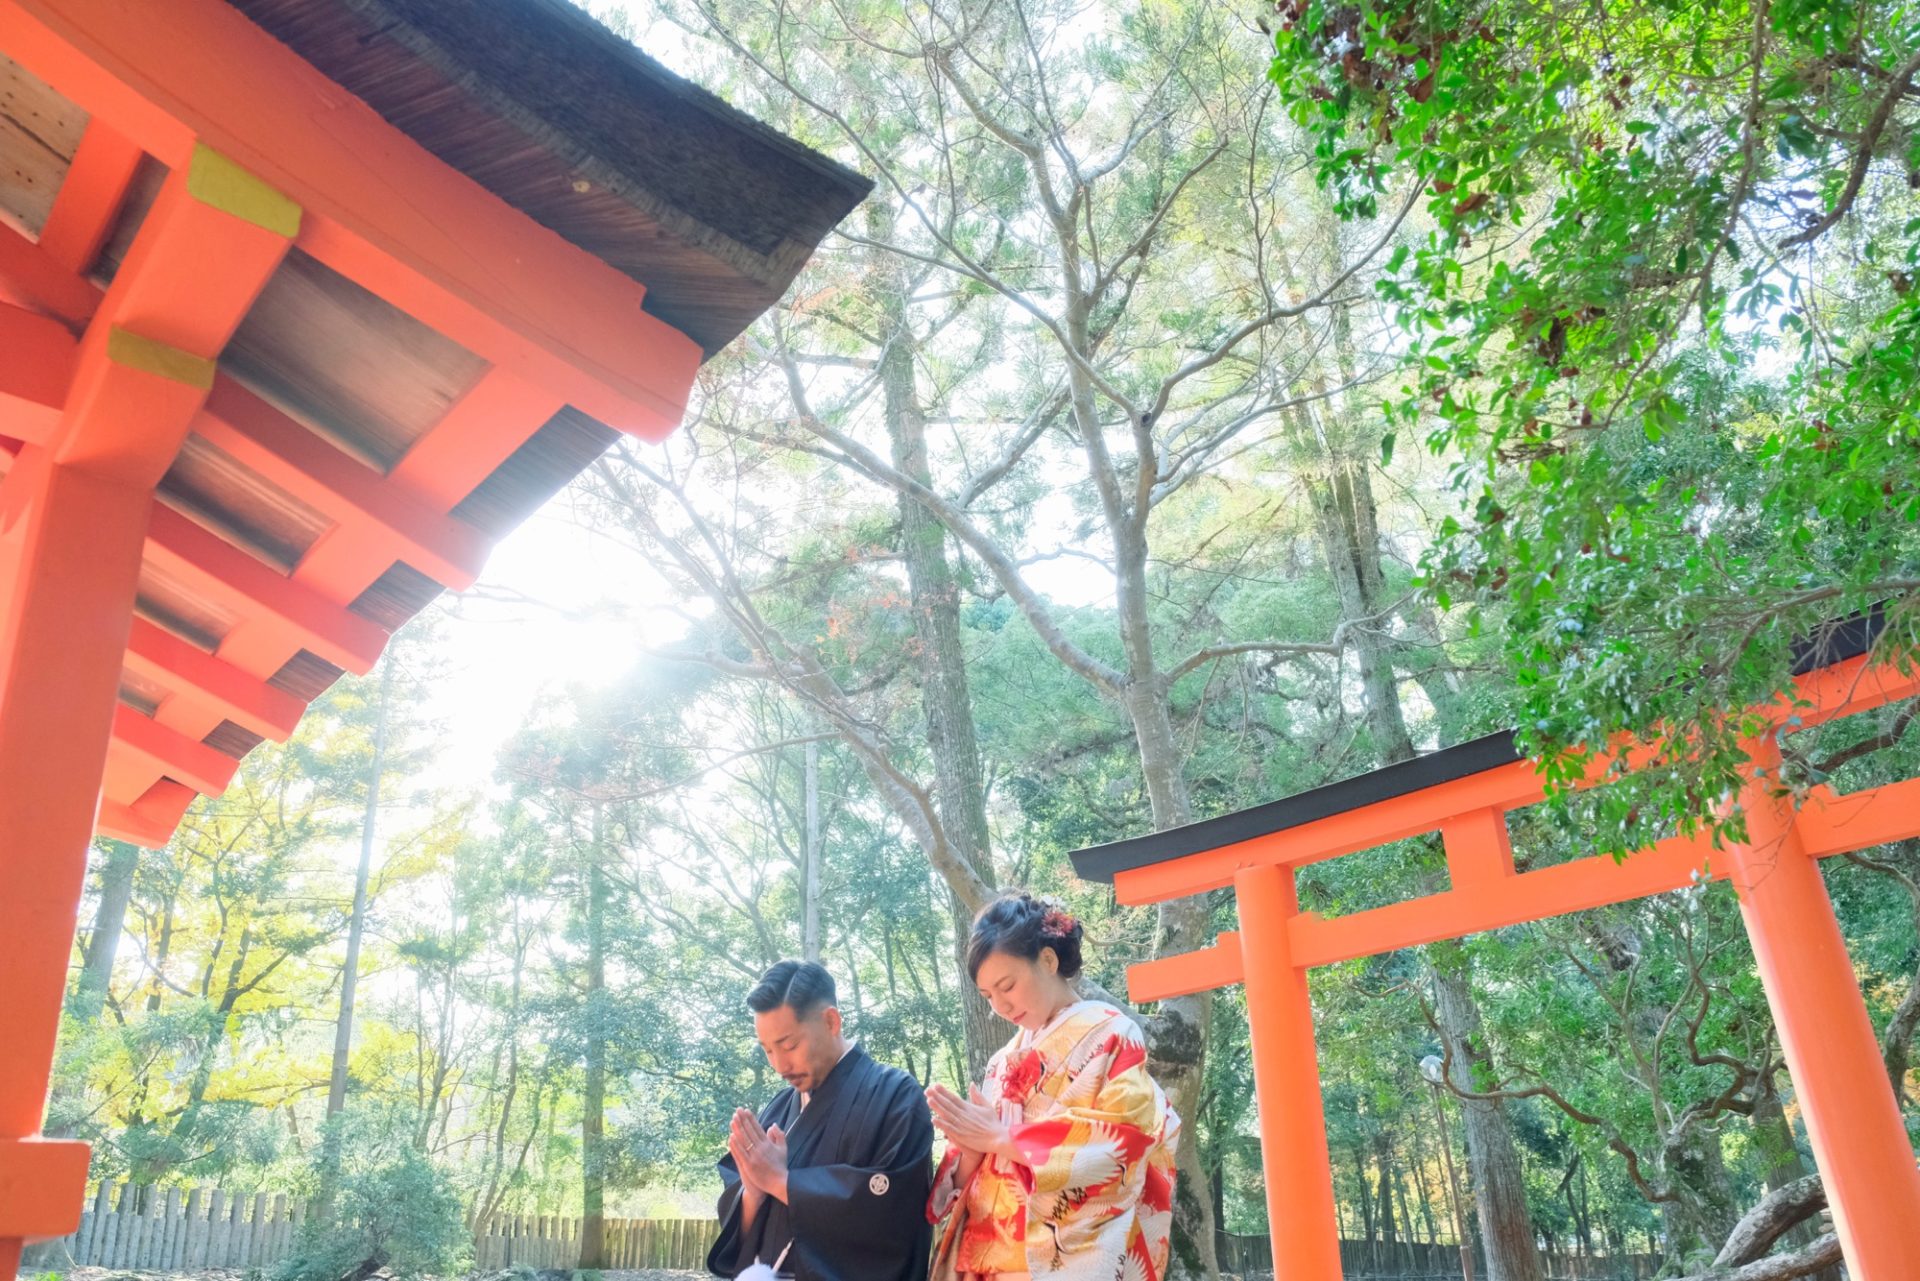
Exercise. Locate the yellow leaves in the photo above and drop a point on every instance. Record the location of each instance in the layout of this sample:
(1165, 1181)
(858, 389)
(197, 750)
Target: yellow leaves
(267, 1076)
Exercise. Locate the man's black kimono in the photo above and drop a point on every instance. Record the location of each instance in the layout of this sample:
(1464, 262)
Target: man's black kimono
(858, 1174)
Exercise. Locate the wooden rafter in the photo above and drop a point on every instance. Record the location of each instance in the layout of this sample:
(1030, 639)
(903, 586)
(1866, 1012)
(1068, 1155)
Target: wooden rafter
(479, 433)
(90, 198)
(381, 210)
(221, 689)
(143, 746)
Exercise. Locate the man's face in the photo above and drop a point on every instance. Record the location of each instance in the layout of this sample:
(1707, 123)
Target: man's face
(801, 1050)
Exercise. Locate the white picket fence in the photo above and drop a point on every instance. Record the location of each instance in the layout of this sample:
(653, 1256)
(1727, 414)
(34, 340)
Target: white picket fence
(149, 1229)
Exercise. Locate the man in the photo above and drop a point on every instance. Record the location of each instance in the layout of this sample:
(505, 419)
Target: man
(834, 1173)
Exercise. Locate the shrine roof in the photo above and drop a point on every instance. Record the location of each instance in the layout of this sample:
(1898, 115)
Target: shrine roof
(565, 120)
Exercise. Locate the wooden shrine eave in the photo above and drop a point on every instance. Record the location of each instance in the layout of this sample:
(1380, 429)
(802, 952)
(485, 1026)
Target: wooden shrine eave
(274, 373)
(570, 123)
(412, 366)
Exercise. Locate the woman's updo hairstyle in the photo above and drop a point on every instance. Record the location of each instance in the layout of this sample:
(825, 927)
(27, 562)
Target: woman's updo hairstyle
(1021, 925)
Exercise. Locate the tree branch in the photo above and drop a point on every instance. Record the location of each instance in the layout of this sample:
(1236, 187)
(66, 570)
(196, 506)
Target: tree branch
(851, 453)
(1778, 1213)
(1863, 156)
(1868, 747)
(1273, 314)
(1035, 427)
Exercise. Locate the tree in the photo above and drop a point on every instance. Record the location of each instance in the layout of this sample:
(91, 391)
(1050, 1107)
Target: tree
(357, 922)
(1664, 324)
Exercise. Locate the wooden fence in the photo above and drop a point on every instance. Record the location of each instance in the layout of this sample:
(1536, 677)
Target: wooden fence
(1252, 1256)
(553, 1241)
(139, 1227)
(133, 1227)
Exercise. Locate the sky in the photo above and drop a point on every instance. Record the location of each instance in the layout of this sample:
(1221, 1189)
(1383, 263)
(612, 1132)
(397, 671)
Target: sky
(561, 604)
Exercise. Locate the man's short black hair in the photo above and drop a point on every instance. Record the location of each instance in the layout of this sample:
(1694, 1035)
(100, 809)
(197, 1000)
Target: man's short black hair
(805, 987)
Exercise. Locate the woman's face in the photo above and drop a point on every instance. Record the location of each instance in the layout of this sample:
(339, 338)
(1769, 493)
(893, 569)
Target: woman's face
(1025, 993)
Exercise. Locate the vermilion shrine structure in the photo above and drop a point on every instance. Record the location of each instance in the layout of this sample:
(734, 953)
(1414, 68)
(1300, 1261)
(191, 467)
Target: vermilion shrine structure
(1465, 793)
(303, 304)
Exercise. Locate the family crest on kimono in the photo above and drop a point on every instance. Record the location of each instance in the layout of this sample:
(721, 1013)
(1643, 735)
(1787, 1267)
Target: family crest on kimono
(1061, 1166)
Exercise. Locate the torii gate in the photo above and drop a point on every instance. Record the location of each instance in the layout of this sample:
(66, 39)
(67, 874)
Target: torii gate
(1465, 793)
(282, 351)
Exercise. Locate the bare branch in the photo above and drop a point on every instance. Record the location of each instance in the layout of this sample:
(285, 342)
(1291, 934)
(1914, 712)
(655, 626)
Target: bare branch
(851, 453)
(1868, 747)
(1286, 649)
(995, 472)
(1541, 1090)
(1274, 314)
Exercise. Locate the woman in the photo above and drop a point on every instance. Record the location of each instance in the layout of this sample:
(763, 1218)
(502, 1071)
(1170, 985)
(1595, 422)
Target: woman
(1062, 1167)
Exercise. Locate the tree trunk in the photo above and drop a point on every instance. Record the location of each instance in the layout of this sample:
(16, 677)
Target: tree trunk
(330, 1153)
(1346, 517)
(1702, 1217)
(1177, 1035)
(489, 1200)
(1499, 1193)
(945, 696)
(1420, 1181)
(1383, 1194)
(1364, 1191)
(593, 1115)
(356, 928)
(1786, 1167)
(1409, 1231)
(810, 856)
(1424, 656)
(109, 922)
(89, 995)
(1349, 537)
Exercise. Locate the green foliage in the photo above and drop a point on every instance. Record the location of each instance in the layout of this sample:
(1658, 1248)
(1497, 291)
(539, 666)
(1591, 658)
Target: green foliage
(391, 1206)
(1663, 322)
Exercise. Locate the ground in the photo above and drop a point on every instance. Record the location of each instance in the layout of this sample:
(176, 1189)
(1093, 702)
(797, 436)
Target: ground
(240, 1274)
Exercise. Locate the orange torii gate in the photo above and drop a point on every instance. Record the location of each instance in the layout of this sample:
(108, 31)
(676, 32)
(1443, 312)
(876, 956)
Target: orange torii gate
(1465, 793)
(302, 305)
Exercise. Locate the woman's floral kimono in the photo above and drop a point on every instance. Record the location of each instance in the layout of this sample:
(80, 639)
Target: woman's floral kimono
(1092, 1197)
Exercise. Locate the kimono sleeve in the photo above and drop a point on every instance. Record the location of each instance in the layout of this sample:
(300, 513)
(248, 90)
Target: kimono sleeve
(724, 1258)
(865, 1220)
(734, 1248)
(1109, 1118)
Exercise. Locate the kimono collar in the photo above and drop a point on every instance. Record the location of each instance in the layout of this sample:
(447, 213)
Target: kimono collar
(1029, 1039)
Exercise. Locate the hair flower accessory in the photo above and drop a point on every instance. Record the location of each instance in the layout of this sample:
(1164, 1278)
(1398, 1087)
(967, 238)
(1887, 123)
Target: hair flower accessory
(1058, 922)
